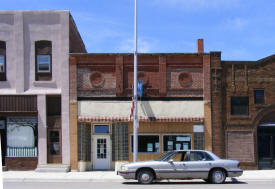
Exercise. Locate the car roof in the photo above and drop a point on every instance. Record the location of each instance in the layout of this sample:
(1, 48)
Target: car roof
(190, 150)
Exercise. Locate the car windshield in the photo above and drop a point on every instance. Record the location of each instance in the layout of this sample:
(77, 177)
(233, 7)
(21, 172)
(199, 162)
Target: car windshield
(165, 157)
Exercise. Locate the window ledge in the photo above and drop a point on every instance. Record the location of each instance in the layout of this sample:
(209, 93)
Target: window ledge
(235, 117)
(45, 82)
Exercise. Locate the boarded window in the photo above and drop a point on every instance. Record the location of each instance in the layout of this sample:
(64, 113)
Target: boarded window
(259, 96)
(239, 106)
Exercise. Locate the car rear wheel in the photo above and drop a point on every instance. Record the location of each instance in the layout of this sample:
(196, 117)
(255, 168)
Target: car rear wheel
(145, 176)
(217, 176)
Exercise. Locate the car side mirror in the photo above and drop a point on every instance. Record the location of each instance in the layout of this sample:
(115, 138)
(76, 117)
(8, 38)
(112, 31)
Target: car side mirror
(170, 161)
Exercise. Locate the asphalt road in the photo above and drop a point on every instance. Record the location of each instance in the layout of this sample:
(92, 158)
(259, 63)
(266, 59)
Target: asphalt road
(268, 184)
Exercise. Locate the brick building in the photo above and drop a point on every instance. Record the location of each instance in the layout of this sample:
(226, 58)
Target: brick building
(174, 111)
(34, 88)
(243, 111)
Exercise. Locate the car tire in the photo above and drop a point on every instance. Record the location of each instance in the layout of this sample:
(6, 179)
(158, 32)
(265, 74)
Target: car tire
(217, 176)
(145, 176)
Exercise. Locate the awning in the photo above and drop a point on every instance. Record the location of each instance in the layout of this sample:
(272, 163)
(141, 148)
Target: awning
(165, 111)
(142, 119)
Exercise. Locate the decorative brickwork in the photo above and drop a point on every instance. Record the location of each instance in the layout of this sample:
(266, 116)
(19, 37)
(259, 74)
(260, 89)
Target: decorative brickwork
(239, 79)
(162, 75)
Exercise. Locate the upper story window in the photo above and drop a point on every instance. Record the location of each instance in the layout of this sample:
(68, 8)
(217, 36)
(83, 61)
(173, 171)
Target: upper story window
(239, 106)
(43, 66)
(43, 63)
(2, 61)
(259, 96)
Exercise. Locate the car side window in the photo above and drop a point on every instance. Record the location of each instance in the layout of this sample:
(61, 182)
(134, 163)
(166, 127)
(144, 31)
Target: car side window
(207, 157)
(176, 157)
(199, 156)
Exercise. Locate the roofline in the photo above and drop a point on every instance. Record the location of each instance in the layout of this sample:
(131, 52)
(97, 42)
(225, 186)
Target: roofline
(75, 26)
(243, 62)
(130, 54)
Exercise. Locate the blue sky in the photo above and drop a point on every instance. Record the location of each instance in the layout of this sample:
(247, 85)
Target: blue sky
(241, 29)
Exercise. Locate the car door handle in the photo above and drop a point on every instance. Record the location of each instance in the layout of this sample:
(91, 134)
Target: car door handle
(184, 164)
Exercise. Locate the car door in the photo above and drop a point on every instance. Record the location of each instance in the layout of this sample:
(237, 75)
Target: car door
(173, 167)
(198, 165)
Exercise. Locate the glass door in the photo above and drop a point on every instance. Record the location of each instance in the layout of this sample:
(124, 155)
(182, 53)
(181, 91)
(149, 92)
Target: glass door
(54, 146)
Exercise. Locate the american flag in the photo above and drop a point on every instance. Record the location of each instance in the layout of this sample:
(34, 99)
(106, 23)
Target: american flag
(132, 109)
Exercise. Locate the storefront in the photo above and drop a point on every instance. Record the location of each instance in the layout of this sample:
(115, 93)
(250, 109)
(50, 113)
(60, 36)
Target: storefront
(106, 141)
(19, 132)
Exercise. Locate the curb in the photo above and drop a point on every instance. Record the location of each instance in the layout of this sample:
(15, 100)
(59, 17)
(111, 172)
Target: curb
(22, 180)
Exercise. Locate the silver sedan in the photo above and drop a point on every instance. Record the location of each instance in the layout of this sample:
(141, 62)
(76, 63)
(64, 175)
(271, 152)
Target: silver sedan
(189, 164)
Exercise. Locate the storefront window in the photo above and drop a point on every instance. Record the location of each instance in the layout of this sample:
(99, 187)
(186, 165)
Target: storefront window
(176, 142)
(147, 143)
(22, 137)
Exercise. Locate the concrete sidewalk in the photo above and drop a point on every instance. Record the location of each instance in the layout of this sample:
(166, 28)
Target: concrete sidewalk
(104, 176)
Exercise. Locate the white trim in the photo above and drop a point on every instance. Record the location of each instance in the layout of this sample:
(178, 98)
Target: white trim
(49, 63)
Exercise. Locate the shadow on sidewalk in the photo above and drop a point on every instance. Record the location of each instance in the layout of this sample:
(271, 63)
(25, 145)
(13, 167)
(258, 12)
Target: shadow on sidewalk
(233, 181)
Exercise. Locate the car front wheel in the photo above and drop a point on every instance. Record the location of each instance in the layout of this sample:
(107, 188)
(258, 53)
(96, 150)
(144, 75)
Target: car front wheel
(217, 176)
(145, 177)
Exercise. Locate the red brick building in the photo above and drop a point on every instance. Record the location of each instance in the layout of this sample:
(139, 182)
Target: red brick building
(243, 111)
(174, 112)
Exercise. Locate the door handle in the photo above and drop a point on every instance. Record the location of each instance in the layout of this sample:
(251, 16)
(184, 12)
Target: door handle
(184, 164)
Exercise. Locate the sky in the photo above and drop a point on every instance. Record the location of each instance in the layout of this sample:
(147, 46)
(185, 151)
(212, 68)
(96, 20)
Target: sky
(240, 29)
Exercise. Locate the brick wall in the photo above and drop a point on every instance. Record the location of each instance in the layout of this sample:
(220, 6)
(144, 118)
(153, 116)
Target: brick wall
(162, 75)
(21, 163)
(239, 79)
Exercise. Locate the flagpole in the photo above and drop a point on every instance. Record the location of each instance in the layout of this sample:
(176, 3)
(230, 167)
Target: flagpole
(135, 120)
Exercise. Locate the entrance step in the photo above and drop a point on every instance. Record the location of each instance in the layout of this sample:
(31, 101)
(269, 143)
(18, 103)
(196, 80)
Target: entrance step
(53, 168)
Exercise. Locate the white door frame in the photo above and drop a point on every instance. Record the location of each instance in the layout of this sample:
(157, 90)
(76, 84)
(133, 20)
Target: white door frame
(97, 163)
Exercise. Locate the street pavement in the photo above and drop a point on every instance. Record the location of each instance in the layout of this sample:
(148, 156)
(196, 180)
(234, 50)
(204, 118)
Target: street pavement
(108, 176)
(134, 185)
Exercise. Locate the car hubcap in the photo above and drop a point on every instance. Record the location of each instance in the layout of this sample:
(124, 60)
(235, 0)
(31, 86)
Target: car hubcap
(145, 177)
(218, 176)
